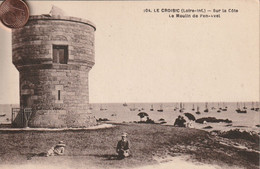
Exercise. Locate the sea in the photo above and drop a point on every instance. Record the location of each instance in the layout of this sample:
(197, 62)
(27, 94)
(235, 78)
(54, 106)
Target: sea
(124, 112)
(128, 112)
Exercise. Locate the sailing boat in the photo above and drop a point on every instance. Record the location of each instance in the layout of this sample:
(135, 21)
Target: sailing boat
(133, 109)
(193, 107)
(176, 107)
(238, 110)
(161, 109)
(124, 104)
(219, 109)
(101, 108)
(257, 107)
(198, 110)
(181, 107)
(253, 108)
(244, 106)
(151, 109)
(225, 107)
(213, 108)
(206, 106)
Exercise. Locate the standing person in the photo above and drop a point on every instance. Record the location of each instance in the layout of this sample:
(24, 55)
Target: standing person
(122, 147)
(58, 149)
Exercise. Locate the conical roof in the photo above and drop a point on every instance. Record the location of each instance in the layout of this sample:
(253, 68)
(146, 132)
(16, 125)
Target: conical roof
(55, 11)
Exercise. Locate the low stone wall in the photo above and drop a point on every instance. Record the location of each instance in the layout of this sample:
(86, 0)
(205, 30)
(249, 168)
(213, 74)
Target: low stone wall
(61, 119)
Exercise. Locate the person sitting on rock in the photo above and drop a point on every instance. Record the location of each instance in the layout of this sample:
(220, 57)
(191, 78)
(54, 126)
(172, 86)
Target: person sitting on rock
(122, 147)
(180, 122)
(58, 149)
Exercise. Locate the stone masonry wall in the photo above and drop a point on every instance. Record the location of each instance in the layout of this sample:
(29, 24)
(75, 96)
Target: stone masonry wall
(58, 93)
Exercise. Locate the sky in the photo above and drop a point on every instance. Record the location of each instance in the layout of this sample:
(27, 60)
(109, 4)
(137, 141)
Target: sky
(150, 57)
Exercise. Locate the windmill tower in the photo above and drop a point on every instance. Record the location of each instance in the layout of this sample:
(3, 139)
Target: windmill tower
(54, 54)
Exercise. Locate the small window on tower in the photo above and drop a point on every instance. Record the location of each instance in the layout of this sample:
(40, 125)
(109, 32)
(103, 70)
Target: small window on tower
(58, 94)
(60, 54)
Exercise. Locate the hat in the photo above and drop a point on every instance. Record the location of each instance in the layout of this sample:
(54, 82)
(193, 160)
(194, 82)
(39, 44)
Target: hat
(124, 134)
(61, 144)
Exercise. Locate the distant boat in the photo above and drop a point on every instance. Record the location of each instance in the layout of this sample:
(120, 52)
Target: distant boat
(193, 107)
(244, 106)
(133, 109)
(125, 104)
(2, 115)
(241, 111)
(151, 109)
(206, 107)
(257, 107)
(161, 109)
(198, 110)
(176, 107)
(225, 107)
(238, 110)
(253, 108)
(101, 108)
(141, 109)
(181, 107)
(219, 109)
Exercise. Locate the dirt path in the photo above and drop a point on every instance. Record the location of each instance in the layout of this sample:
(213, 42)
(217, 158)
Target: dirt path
(54, 162)
(81, 162)
(184, 162)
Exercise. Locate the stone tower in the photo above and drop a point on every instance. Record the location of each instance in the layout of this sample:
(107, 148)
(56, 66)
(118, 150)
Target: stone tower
(54, 54)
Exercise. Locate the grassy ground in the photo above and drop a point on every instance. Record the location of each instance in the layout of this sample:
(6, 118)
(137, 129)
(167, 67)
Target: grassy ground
(96, 148)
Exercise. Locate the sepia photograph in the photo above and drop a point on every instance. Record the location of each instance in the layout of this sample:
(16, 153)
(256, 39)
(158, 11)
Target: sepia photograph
(129, 84)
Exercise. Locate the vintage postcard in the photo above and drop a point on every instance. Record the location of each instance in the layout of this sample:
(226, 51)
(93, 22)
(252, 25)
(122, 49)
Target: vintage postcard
(129, 84)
